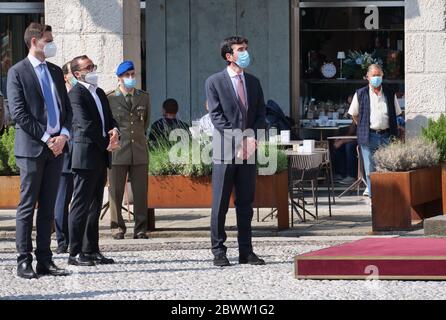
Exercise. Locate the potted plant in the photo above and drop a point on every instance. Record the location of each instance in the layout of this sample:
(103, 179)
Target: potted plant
(406, 186)
(9, 179)
(357, 63)
(176, 185)
(436, 132)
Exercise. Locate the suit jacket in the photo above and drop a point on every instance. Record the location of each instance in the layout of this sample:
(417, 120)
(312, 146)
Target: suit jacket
(133, 123)
(89, 145)
(26, 104)
(66, 168)
(225, 113)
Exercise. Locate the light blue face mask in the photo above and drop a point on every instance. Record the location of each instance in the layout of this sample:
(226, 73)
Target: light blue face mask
(376, 81)
(243, 59)
(129, 83)
(73, 81)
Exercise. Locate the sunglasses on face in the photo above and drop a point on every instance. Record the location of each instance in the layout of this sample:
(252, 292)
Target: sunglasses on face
(91, 67)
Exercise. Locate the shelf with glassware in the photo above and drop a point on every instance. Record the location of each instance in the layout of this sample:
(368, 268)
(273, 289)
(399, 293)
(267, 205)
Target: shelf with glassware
(327, 89)
(331, 98)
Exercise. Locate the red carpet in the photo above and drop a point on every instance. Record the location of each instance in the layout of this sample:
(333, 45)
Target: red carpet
(388, 259)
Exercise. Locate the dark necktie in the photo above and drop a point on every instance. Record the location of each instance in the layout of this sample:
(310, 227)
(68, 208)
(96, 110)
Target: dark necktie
(242, 100)
(128, 100)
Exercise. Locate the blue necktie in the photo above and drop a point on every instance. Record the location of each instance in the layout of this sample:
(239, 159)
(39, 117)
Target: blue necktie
(48, 95)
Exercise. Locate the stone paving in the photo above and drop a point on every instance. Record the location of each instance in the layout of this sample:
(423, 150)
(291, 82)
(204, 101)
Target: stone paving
(351, 215)
(182, 269)
(176, 263)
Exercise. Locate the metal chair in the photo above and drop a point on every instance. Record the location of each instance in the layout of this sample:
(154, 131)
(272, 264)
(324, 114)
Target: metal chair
(361, 176)
(303, 168)
(324, 146)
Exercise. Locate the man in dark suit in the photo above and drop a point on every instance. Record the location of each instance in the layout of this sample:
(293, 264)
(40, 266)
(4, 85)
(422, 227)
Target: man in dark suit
(95, 135)
(42, 113)
(65, 189)
(236, 103)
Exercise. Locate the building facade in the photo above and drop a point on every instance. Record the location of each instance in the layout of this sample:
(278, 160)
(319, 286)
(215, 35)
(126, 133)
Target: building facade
(302, 50)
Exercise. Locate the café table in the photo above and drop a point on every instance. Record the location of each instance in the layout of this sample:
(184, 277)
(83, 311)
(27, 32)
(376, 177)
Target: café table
(326, 129)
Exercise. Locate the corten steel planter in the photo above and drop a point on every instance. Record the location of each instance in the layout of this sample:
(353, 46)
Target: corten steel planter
(170, 192)
(443, 185)
(9, 192)
(402, 198)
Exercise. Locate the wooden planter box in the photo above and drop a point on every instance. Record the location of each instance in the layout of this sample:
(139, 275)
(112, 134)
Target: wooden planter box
(183, 192)
(443, 185)
(9, 192)
(189, 192)
(400, 198)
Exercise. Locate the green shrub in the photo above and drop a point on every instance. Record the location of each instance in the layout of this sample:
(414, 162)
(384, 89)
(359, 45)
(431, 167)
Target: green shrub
(3, 160)
(436, 132)
(398, 156)
(7, 159)
(271, 150)
(159, 163)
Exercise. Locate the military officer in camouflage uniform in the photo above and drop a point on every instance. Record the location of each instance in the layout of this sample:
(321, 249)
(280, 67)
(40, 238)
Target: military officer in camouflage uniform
(131, 109)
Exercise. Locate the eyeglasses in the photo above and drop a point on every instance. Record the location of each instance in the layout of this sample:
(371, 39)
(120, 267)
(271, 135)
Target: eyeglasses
(91, 67)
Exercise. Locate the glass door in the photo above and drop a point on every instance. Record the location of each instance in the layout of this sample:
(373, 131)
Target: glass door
(337, 42)
(14, 18)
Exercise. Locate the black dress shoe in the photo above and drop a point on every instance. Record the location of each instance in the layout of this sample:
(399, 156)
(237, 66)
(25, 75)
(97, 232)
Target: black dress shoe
(51, 269)
(98, 258)
(221, 260)
(25, 270)
(118, 236)
(140, 235)
(80, 260)
(62, 249)
(251, 259)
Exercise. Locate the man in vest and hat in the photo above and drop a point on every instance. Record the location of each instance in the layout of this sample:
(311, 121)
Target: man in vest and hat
(374, 109)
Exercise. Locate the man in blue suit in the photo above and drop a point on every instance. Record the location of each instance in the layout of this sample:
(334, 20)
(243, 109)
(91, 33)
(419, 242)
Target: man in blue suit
(42, 113)
(65, 189)
(236, 104)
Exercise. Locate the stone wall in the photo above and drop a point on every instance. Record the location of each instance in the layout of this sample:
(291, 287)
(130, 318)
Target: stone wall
(106, 30)
(184, 39)
(425, 62)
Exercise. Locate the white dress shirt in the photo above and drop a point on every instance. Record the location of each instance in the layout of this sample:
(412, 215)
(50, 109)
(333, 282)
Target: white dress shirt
(379, 118)
(49, 130)
(233, 75)
(92, 90)
(206, 125)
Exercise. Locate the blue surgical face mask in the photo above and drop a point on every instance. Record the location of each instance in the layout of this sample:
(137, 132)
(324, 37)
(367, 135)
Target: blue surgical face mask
(73, 81)
(243, 59)
(129, 83)
(376, 81)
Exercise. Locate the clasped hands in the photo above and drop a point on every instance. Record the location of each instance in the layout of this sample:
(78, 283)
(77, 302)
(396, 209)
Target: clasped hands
(56, 144)
(114, 140)
(247, 148)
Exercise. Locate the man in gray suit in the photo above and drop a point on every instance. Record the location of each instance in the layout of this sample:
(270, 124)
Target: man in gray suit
(42, 113)
(236, 103)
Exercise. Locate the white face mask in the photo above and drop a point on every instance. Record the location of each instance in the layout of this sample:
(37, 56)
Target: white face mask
(50, 50)
(91, 78)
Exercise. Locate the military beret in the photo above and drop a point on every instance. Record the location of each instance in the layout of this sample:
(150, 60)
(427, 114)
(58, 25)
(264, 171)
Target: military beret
(124, 67)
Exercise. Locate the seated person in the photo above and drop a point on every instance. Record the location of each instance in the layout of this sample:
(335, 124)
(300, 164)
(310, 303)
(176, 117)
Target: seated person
(160, 131)
(344, 157)
(401, 122)
(205, 125)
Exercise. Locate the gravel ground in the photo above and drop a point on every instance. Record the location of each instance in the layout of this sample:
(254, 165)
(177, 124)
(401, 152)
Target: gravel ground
(184, 270)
